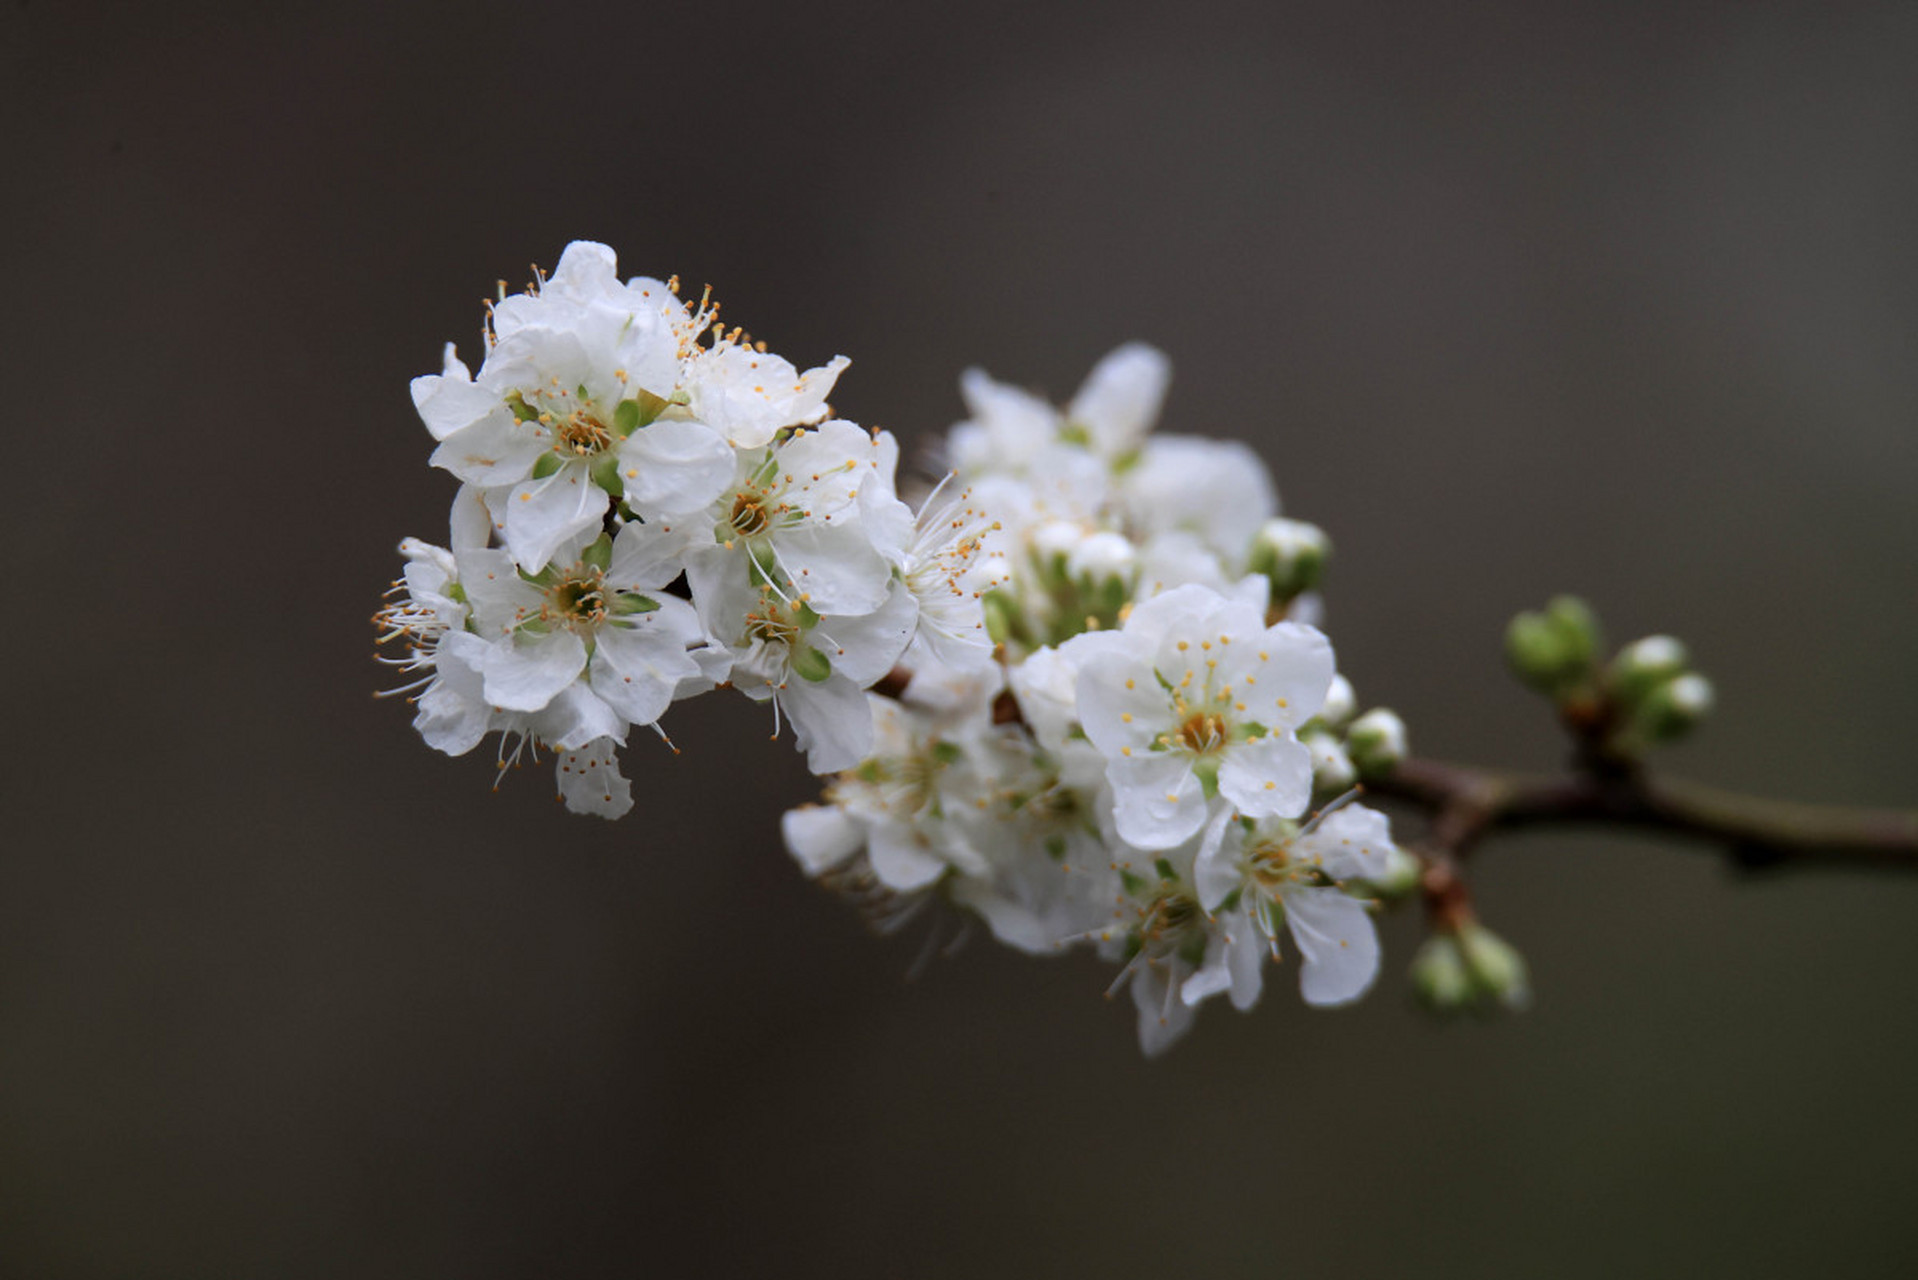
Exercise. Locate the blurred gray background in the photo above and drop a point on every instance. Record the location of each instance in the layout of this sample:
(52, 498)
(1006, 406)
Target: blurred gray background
(1614, 298)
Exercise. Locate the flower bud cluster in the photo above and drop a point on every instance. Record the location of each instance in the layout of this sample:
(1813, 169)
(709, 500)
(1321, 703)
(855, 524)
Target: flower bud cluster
(1646, 695)
(1138, 770)
(652, 506)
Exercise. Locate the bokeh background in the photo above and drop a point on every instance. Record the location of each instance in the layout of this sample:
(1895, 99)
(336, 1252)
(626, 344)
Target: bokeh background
(1615, 298)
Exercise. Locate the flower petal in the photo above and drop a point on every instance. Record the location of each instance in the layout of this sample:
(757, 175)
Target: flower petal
(1157, 802)
(1270, 777)
(675, 466)
(1338, 941)
(543, 514)
(525, 672)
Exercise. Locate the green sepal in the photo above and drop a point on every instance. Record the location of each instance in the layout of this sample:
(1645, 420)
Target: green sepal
(1127, 461)
(626, 417)
(1206, 770)
(1192, 950)
(628, 603)
(454, 591)
(811, 665)
(546, 464)
(521, 410)
(647, 405)
(598, 553)
(605, 473)
(1231, 900)
(870, 771)
(1001, 615)
(1253, 730)
(1055, 847)
(1075, 433)
(1165, 870)
(807, 618)
(947, 752)
(1132, 883)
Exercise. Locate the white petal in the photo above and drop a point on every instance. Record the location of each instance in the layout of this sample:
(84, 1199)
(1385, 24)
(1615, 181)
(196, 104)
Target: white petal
(1351, 843)
(831, 722)
(1291, 668)
(864, 648)
(543, 514)
(1158, 803)
(675, 466)
(1215, 870)
(453, 715)
(1122, 396)
(574, 718)
(525, 672)
(834, 567)
(899, 860)
(447, 403)
(1121, 703)
(639, 662)
(501, 599)
(1340, 945)
(648, 556)
(1212, 977)
(496, 450)
(1163, 1017)
(1245, 958)
(821, 837)
(1270, 777)
(590, 781)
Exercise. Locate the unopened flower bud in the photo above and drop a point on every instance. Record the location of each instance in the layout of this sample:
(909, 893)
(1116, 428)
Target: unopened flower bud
(1291, 553)
(1497, 969)
(1055, 540)
(1440, 980)
(1331, 768)
(1674, 708)
(1341, 704)
(1102, 557)
(1643, 665)
(1376, 741)
(1401, 875)
(1553, 651)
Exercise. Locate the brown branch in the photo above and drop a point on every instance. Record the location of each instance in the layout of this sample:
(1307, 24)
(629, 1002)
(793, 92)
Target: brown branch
(1757, 832)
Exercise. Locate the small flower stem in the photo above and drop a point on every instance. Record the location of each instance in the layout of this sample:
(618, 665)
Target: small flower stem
(1755, 832)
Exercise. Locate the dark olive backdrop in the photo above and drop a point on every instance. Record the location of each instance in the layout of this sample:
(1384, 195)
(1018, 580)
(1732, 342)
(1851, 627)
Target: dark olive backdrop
(1618, 299)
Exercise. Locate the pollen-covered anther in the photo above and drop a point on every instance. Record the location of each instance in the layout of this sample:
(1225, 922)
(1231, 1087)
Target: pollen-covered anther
(1202, 732)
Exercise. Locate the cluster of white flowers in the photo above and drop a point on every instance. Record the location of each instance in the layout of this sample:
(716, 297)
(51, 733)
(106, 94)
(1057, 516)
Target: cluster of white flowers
(1078, 693)
(1135, 766)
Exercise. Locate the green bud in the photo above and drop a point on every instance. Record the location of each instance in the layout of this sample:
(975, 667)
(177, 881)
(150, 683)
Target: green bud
(1553, 651)
(1440, 980)
(1497, 969)
(1292, 554)
(1674, 708)
(1643, 665)
(1402, 875)
(811, 665)
(1376, 742)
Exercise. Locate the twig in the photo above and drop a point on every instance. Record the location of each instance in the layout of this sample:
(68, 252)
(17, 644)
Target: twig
(1756, 832)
